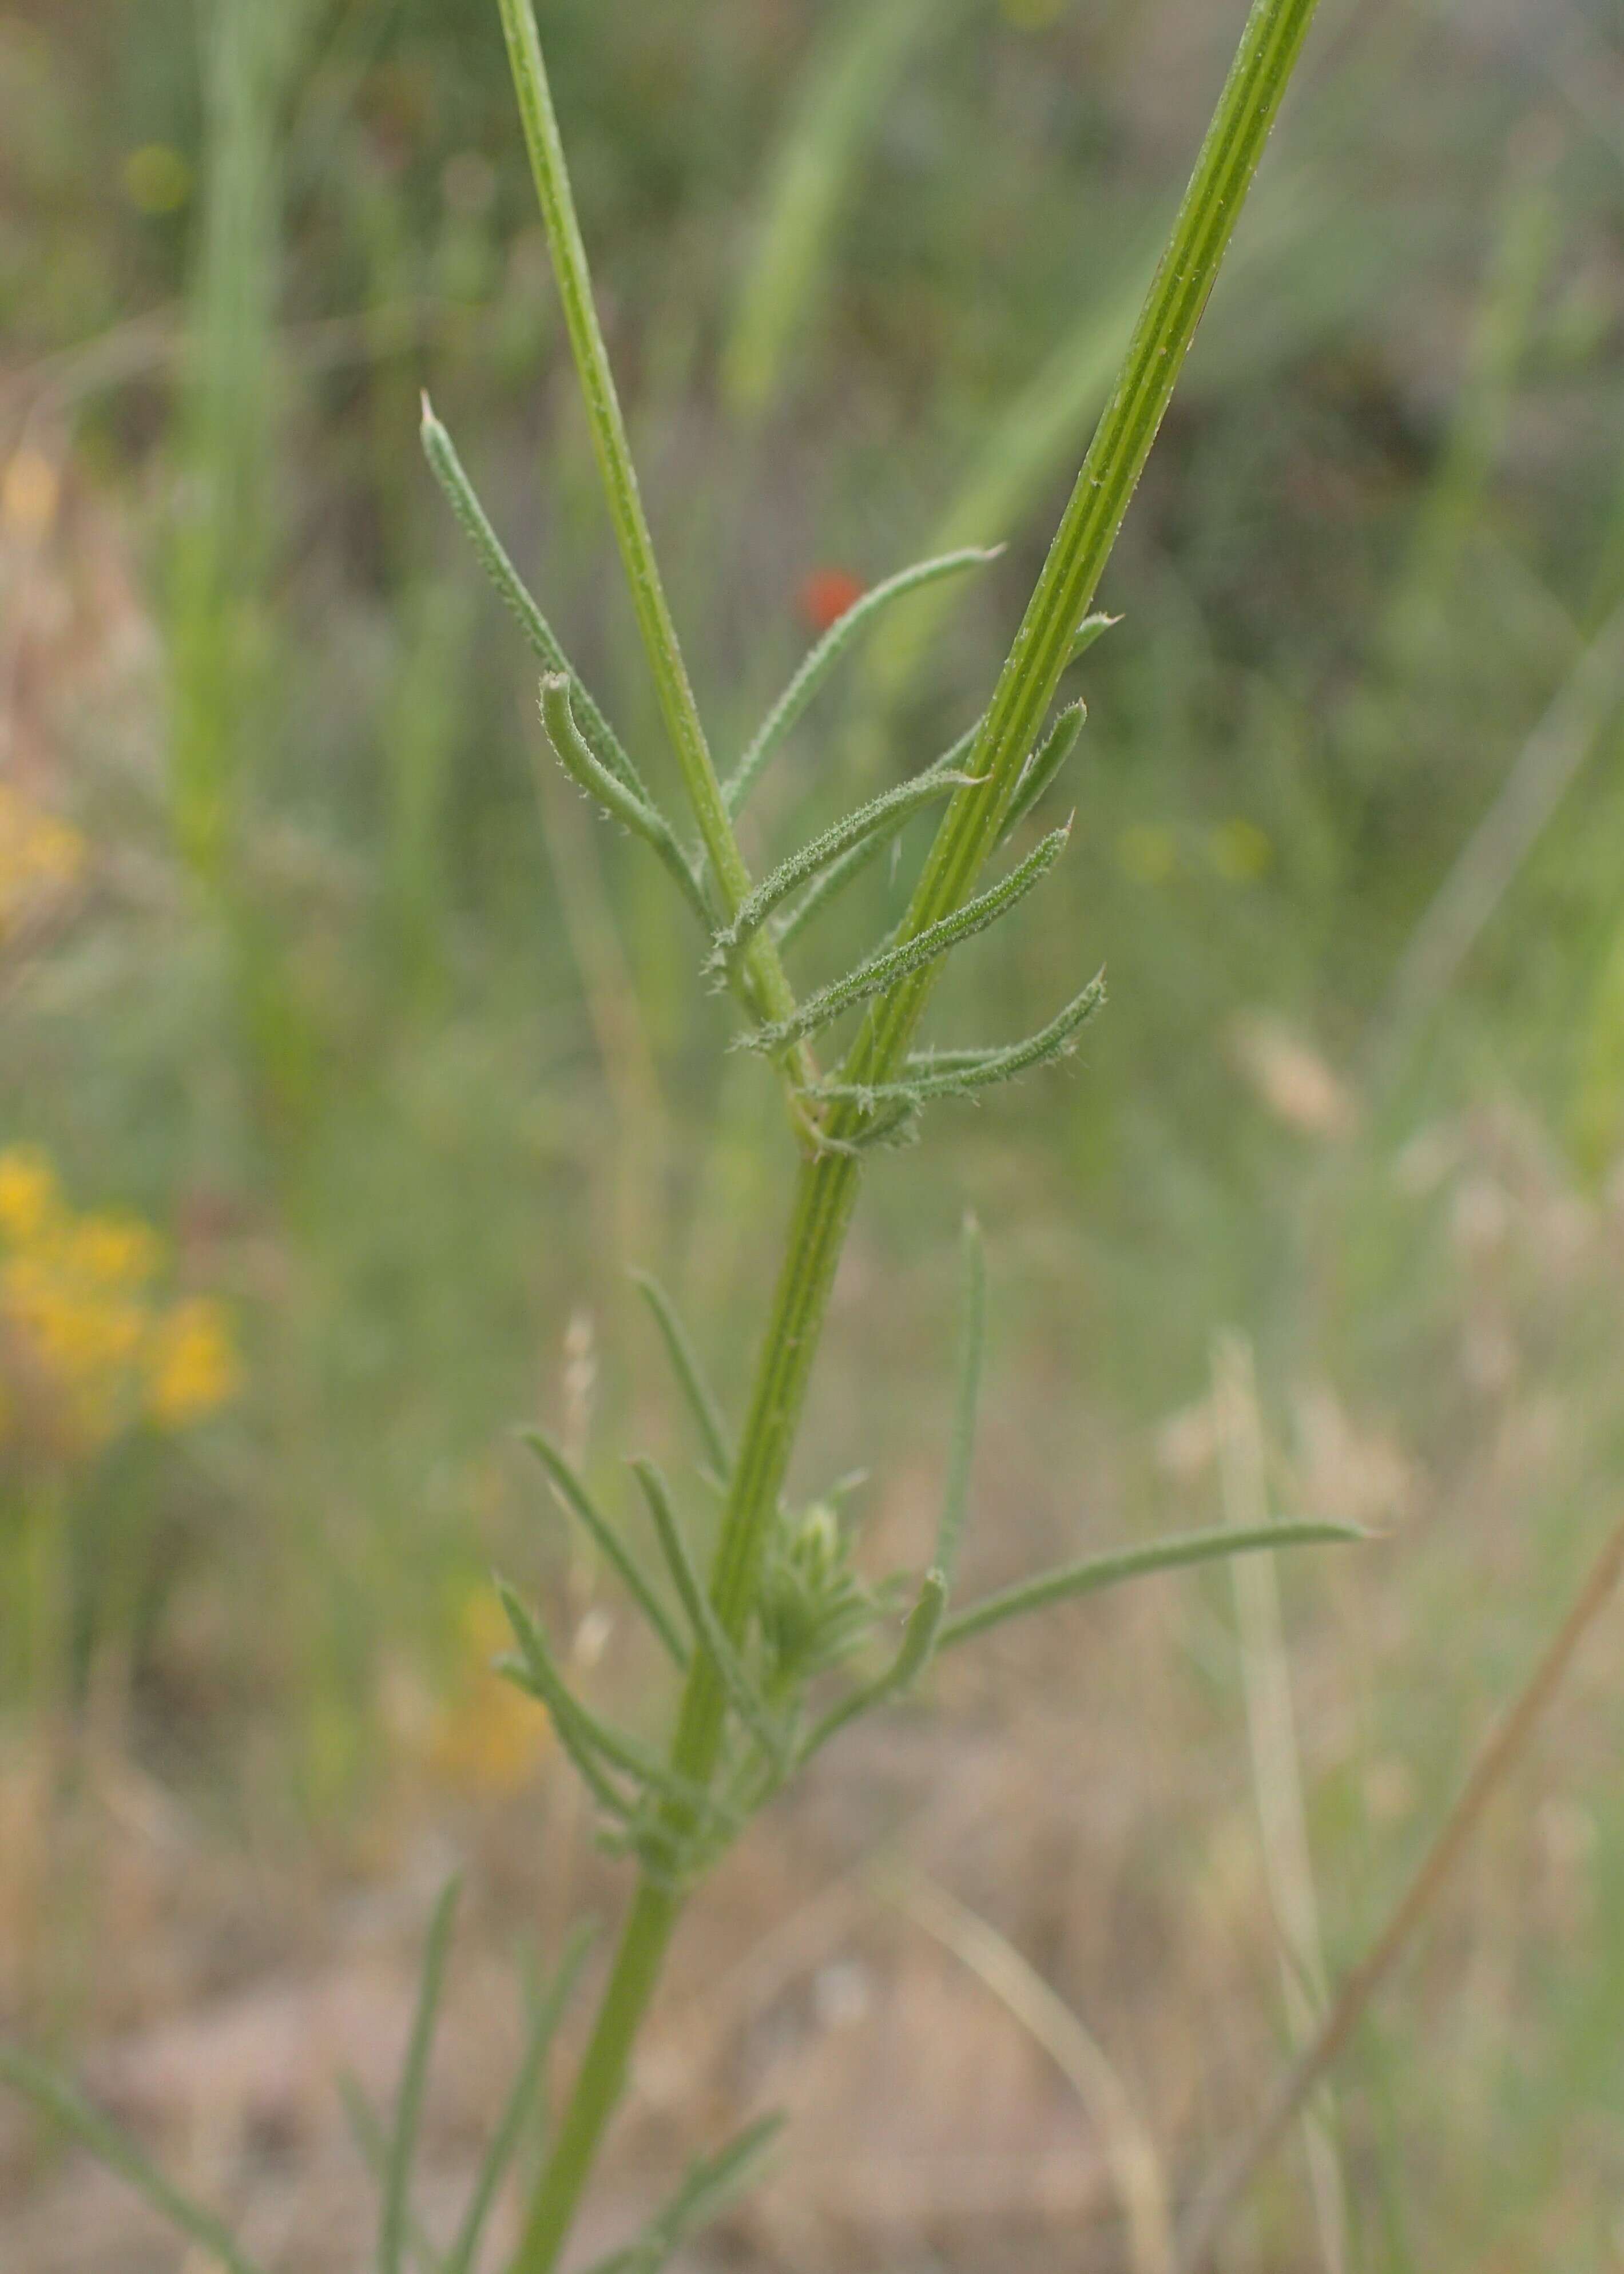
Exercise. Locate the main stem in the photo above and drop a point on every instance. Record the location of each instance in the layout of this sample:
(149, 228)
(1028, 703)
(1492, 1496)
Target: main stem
(826, 1189)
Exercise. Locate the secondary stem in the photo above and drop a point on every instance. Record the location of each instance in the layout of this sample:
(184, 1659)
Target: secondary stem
(619, 474)
(826, 1190)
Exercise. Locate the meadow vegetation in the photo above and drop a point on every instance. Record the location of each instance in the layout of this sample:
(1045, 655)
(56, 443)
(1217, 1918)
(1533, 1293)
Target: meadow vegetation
(348, 1068)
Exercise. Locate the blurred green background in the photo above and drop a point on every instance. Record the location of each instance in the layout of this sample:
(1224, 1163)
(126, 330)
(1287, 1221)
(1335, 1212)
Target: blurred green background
(343, 1074)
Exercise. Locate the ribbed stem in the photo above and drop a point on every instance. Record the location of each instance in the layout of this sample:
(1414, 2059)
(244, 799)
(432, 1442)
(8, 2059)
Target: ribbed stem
(826, 1191)
(612, 449)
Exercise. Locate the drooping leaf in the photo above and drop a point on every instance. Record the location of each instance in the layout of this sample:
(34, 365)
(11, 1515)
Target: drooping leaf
(464, 503)
(636, 812)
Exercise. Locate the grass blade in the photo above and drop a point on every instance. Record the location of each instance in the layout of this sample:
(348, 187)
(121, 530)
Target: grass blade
(1110, 1569)
(57, 2100)
(842, 98)
(521, 2098)
(823, 658)
(636, 813)
(579, 1501)
(414, 2076)
(702, 1403)
(882, 970)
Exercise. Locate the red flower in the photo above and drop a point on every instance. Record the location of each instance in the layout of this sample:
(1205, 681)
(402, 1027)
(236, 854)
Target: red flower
(826, 595)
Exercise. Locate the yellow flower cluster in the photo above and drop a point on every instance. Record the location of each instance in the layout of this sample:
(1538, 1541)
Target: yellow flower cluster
(487, 1737)
(83, 1331)
(39, 856)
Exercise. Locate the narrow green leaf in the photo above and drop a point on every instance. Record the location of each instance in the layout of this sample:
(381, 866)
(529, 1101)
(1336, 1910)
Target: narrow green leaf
(1112, 1569)
(57, 2101)
(746, 1701)
(851, 865)
(702, 1403)
(368, 2133)
(961, 1443)
(577, 1724)
(1044, 764)
(960, 1074)
(533, 1670)
(1089, 631)
(823, 658)
(637, 813)
(580, 1504)
(882, 817)
(521, 2099)
(414, 2076)
(919, 1636)
(463, 500)
(707, 2189)
(882, 970)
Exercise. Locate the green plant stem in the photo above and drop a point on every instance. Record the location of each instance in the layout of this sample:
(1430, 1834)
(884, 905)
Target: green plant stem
(773, 995)
(826, 1190)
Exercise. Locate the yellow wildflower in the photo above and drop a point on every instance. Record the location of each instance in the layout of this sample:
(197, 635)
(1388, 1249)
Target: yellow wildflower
(192, 1366)
(488, 1736)
(39, 854)
(1240, 851)
(157, 179)
(1146, 853)
(29, 1199)
(118, 1251)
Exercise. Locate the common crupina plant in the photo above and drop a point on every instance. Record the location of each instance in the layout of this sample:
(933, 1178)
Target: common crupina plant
(783, 1643)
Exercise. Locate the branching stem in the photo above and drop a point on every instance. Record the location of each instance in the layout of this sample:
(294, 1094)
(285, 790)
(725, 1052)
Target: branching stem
(827, 1187)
